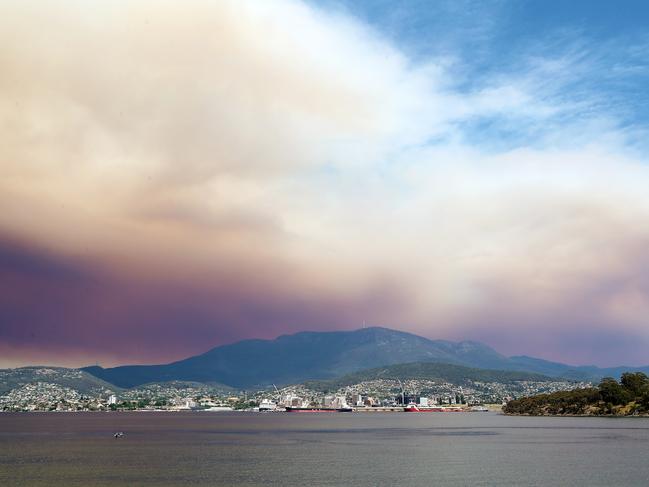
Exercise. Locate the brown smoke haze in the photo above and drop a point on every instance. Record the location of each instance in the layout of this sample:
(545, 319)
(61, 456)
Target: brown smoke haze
(179, 175)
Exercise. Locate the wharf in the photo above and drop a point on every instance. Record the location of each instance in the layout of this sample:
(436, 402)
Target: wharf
(379, 409)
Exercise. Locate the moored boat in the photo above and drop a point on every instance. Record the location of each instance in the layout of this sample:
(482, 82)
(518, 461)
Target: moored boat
(416, 408)
(291, 409)
(479, 409)
(267, 405)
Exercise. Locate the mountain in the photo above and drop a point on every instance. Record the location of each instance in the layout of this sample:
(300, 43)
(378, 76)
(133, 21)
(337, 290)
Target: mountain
(590, 373)
(307, 355)
(303, 356)
(76, 379)
(454, 374)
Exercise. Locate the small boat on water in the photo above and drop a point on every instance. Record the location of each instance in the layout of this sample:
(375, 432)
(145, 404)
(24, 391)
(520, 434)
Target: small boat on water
(479, 409)
(119, 434)
(267, 405)
(291, 409)
(417, 408)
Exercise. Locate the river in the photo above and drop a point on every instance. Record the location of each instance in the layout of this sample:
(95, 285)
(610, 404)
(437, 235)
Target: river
(339, 449)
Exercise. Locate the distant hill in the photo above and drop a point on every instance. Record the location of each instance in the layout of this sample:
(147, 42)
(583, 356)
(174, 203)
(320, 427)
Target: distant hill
(307, 355)
(76, 379)
(291, 359)
(454, 374)
(578, 373)
(212, 387)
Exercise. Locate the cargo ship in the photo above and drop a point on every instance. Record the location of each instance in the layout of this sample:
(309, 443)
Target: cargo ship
(416, 408)
(291, 409)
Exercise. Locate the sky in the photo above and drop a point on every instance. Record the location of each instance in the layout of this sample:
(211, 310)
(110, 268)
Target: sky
(179, 175)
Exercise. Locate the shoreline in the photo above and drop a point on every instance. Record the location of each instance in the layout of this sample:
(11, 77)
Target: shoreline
(577, 415)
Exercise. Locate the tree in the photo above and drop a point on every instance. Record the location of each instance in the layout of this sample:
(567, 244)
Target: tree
(644, 401)
(612, 392)
(636, 383)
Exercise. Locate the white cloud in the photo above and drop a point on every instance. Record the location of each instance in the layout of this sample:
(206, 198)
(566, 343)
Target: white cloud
(188, 136)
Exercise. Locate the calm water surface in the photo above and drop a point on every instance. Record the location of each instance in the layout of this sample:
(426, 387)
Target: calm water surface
(78, 449)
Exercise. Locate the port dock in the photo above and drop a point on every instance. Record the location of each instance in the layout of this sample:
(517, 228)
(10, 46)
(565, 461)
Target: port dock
(378, 409)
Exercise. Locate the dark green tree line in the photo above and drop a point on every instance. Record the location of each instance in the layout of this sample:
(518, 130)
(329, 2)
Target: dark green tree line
(628, 396)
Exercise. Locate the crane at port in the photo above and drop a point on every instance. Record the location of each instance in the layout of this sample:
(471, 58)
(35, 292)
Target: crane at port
(403, 392)
(279, 396)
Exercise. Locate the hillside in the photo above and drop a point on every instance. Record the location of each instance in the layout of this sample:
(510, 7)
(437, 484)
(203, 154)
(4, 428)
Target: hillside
(630, 396)
(291, 359)
(177, 385)
(76, 379)
(454, 374)
(303, 356)
(577, 373)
